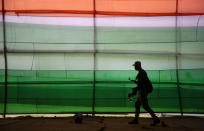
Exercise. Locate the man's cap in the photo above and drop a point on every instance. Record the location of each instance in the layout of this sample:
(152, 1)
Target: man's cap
(137, 63)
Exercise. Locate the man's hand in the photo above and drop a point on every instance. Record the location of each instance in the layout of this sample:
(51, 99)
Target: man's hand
(130, 95)
(131, 80)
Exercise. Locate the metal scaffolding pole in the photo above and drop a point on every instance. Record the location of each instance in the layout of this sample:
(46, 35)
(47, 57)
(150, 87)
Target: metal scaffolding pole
(94, 55)
(177, 73)
(5, 59)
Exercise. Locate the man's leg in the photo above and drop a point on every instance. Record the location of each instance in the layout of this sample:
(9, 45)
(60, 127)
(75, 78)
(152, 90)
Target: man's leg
(137, 112)
(137, 108)
(146, 106)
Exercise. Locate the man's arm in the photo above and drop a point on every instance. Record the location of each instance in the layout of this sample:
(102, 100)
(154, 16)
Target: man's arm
(135, 81)
(134, 92)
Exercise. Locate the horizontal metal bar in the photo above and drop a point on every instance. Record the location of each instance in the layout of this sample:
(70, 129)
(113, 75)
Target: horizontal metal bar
(92, 12)
(137, 42)
(101, 82)
(105, 52)
(89, 112)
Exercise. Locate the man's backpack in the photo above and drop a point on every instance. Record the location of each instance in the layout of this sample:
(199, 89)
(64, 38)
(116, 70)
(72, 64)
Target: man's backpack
(149, 86)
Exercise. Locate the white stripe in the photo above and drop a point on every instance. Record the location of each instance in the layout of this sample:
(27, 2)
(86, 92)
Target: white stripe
(162, 21)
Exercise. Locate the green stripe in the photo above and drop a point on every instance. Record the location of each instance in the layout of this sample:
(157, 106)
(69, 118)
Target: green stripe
(112, 88)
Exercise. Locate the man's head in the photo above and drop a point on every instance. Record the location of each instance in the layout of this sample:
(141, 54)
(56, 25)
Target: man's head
(137, 65)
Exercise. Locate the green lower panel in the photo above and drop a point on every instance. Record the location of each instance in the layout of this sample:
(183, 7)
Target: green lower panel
(192, 97)
(2, 91)
(72, 91)
(1, 98)
(54, 97)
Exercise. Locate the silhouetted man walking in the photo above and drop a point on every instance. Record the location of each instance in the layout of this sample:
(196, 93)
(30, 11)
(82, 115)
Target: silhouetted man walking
(144, 87)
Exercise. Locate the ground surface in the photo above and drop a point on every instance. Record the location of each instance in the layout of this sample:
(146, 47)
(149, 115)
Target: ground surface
(100, 124)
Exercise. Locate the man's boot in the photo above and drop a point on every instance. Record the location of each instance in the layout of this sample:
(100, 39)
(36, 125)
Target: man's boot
(156, 121)
(134, 121)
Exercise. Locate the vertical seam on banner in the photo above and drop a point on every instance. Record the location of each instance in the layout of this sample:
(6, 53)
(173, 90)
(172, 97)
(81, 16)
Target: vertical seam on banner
(177, 74)
(197, 28)
(94, 55)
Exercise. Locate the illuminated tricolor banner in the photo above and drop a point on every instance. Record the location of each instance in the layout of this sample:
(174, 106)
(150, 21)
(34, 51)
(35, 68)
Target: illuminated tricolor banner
(68, 56)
